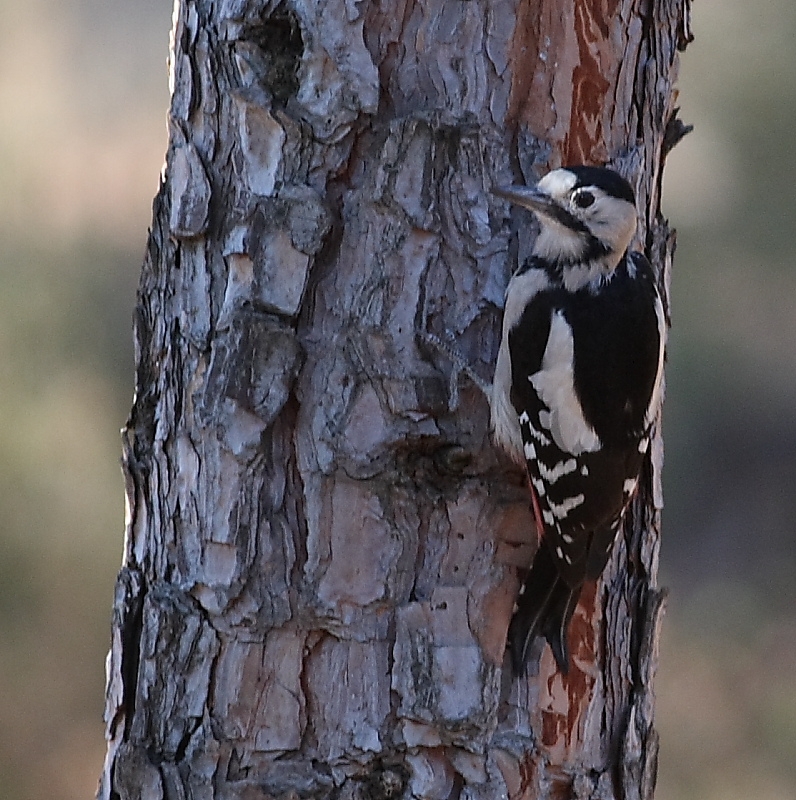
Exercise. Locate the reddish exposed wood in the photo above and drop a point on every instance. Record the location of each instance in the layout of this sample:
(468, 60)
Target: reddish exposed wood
(574, 80)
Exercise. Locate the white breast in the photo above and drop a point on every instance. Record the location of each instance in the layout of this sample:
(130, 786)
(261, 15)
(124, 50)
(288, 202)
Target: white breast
(555, 385)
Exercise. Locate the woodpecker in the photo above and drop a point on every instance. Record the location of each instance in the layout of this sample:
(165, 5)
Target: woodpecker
(577, 386)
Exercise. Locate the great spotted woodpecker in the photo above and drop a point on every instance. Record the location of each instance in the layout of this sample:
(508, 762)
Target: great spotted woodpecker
(577, 386)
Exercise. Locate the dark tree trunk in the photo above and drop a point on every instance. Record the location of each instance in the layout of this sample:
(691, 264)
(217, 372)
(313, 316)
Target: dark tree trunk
(321, 545)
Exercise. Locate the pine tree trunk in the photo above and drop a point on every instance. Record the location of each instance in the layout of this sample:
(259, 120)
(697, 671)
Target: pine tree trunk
(322, 544)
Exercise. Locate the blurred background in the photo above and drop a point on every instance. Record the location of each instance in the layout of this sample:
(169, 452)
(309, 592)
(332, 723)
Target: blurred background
(84, 95)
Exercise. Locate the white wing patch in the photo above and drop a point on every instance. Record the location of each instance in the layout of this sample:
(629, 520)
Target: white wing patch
(554, 383)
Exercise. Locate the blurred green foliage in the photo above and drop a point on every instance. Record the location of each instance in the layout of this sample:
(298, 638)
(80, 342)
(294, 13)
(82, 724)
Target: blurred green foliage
(83, 87)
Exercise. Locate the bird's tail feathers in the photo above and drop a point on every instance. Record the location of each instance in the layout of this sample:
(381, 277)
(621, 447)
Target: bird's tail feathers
(559, 613)
(544, 608)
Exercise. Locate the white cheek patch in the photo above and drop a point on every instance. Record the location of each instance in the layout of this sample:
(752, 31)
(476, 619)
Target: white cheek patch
(555, 385)
(629, 485)
(613, 221)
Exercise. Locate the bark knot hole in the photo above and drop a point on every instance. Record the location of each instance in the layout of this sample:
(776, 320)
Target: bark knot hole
(279, 39)
(386, 783)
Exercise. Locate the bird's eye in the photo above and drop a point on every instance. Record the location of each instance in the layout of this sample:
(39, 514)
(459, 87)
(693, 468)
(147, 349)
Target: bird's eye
(583, 199)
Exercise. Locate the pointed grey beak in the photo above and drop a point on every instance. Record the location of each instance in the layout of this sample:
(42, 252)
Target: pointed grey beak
(528, 197)
(540, 203)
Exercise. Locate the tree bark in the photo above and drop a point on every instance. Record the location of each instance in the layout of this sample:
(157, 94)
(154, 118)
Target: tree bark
(322, 544)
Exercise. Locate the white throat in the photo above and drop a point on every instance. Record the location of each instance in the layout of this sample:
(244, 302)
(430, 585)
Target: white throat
(557, 243)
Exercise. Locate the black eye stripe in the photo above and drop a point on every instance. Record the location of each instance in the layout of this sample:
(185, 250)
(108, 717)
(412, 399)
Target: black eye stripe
(582, 198)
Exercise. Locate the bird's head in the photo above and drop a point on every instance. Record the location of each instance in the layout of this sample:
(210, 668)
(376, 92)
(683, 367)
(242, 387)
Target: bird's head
(587, 214)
